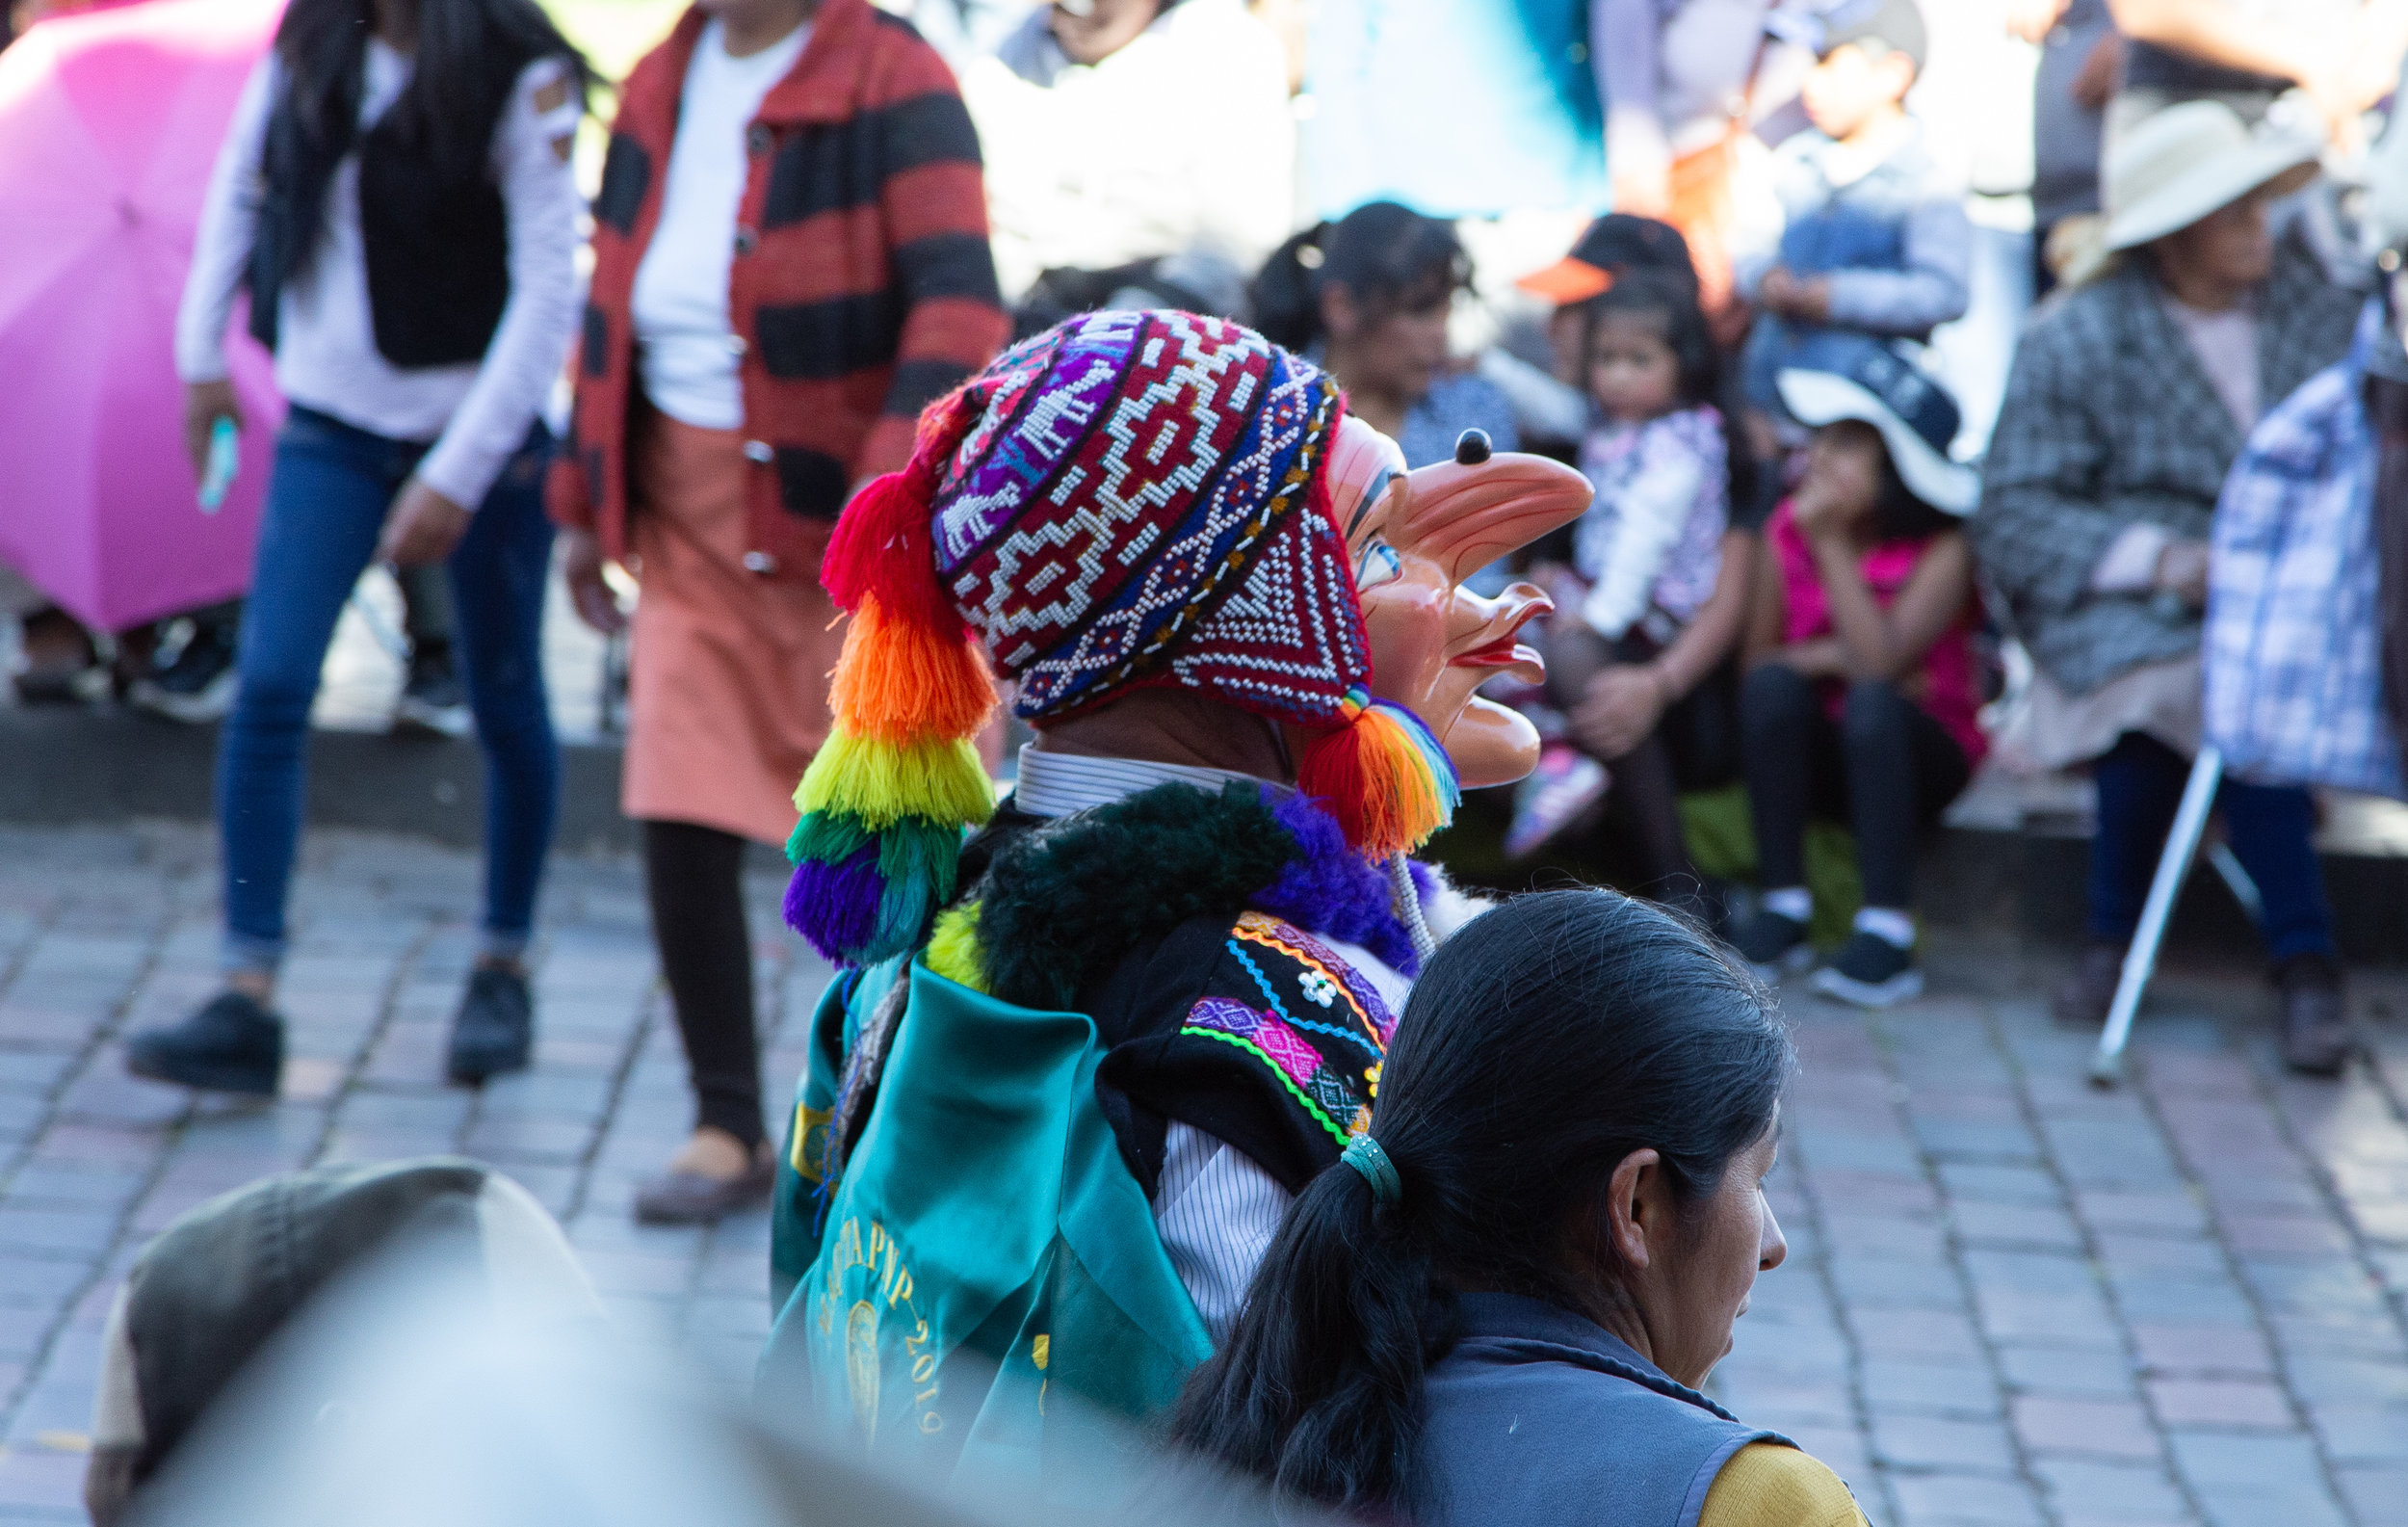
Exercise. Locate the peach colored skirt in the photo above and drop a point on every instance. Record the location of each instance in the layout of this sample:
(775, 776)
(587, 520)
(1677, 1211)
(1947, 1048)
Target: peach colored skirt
(727, 671)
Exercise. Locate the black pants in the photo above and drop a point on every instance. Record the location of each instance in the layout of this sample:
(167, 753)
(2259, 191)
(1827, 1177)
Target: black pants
(694, 879)
(1885, 768)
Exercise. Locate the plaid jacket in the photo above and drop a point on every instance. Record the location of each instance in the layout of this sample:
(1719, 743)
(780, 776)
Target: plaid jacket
(2110, 420)
(2294, 650)
(862, 286)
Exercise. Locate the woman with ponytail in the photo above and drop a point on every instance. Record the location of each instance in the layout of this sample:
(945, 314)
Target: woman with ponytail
(1076, 1068)
(1371, 296)
(1500, 1305)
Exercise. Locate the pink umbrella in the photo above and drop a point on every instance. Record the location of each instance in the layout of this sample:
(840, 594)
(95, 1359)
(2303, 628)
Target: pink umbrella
(108, 123)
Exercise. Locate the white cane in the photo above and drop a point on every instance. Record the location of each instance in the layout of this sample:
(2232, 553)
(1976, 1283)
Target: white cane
(2140, 961)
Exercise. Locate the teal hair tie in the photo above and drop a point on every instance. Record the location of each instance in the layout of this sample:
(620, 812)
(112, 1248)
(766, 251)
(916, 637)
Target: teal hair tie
(1364, 1154)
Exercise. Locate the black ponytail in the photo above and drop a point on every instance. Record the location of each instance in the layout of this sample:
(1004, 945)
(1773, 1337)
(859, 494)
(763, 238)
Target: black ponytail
(1390, 258)
(1546, 1042)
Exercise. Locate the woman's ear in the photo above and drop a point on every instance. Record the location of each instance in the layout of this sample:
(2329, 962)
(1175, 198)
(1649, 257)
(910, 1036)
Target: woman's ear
(1340, 316)
(1635, 1204)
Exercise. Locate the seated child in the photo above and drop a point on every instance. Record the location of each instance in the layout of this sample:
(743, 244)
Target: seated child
(1634, 646)
(1859, 701)
(1874, 238)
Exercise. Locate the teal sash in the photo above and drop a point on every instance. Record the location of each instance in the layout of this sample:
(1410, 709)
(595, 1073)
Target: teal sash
(986, 1251)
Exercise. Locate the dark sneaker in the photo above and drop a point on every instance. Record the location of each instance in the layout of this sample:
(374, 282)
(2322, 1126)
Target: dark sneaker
(1775, 944)
(2084, 1000)
(231, 1045)
(2317, 1041)
(1555, 795)
(692, 1197)
(495, 1029)
(62, 662)
(198, 685)
(434, 700)
(1870, 971)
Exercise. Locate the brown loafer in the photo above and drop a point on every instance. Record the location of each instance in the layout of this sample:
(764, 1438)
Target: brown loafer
(679, 1196)
(2084, 1000)
(2317, 1039)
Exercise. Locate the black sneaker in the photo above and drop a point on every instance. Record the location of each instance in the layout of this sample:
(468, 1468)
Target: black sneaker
(434, 700)
(1870, 971)
(197, 686)
(495, 1029)
(1774, 945)
(231, 1045)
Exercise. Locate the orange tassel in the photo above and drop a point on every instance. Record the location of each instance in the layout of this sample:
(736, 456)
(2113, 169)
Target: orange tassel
(903, 682)
(1386, 779)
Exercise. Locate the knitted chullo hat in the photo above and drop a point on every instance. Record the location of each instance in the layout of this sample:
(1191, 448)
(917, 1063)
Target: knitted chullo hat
(1128, 499)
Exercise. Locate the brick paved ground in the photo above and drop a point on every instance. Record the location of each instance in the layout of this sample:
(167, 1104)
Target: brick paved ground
(2010, 1298)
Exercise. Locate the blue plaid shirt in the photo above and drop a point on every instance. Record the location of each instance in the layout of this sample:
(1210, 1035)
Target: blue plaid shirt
(2294, 636)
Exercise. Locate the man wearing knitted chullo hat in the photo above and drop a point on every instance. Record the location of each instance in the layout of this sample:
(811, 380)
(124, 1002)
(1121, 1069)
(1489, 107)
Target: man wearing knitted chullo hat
(1073, 1070)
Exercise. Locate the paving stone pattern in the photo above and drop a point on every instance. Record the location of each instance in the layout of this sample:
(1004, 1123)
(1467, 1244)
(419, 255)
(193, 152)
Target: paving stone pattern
(2009, 1299)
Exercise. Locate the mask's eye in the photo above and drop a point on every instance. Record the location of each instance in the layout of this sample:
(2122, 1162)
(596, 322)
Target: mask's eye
(1380, 565)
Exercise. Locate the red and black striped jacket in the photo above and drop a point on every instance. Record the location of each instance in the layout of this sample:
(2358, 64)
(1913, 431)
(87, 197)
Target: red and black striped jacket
(862, 285)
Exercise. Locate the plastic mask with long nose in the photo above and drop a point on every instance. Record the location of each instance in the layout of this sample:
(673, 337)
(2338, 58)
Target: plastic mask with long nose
(1415, 536)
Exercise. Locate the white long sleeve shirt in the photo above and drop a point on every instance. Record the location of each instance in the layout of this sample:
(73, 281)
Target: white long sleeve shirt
(326, 358)
(1182, 140)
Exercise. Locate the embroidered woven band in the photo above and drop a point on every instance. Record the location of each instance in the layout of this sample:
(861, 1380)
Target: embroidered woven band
(1131, 505)
(1364, 1154)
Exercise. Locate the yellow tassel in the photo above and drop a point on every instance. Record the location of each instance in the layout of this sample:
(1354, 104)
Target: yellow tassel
(953, 951)
(879, 783)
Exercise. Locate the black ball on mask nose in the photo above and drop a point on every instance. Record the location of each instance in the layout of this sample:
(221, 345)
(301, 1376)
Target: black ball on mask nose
(1472, 448)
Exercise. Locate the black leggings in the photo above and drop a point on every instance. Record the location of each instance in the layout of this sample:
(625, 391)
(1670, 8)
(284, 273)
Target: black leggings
(1885, 768)
(694, 878)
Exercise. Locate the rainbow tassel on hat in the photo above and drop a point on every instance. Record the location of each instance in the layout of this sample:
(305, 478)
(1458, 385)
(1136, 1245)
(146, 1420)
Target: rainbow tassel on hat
(1384, 775)
(884, 802)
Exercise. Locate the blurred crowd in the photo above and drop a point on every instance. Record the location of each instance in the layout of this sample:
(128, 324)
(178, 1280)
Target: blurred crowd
(1902, 449)
(1906, 417)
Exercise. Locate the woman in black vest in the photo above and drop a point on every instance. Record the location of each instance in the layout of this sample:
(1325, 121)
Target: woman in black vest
(395, 196)
(1498, 1307)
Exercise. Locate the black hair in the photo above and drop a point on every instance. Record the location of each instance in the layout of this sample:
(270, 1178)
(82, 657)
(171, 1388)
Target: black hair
(1545, 1042)
(468, 55)
(1898, 514)
(1661, 294)
(1672, 292)
(1389, 257)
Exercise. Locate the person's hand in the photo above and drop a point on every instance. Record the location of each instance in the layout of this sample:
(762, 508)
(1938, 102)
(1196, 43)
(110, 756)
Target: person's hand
(1831, 495)
(1620, 707)
(2094, 82)
(205, 403)
(580, 564)
(2032, 20)
(1645, 191)
(423, 527)
(2183, 570)
(1805, 299)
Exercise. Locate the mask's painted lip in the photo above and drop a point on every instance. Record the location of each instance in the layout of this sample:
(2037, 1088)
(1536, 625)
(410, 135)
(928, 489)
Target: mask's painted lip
(1502, 653)
(1505, 648)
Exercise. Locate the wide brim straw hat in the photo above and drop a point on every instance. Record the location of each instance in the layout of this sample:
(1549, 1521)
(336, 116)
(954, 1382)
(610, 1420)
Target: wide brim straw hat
(2186, 162)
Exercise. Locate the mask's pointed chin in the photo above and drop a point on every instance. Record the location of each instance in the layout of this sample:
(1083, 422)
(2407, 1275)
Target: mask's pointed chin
(1491, 745)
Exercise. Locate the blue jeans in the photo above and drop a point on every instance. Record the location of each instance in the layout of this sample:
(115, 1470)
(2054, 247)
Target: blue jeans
(2271, 829)
(327, 504)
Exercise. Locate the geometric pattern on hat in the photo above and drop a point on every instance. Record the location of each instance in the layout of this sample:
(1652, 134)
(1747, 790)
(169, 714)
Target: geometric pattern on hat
(1133, 504)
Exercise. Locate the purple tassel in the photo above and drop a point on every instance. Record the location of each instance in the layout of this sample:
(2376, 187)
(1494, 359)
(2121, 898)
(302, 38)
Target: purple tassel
(1331, 889)
(835, 905)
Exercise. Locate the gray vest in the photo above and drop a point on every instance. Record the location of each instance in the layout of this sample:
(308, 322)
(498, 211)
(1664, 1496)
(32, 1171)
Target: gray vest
(1538, 1418)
